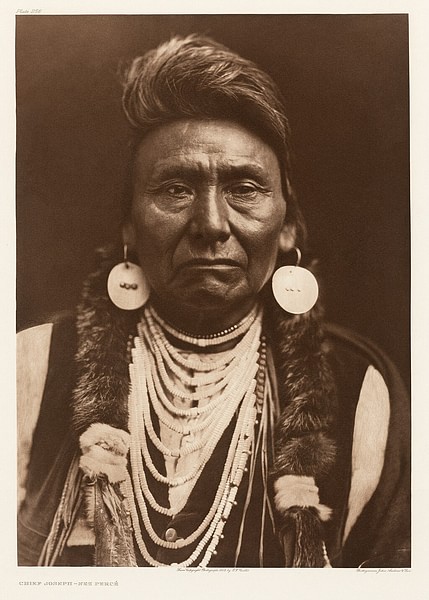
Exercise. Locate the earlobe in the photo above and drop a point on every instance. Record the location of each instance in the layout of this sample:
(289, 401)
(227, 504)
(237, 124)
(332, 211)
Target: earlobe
(287, 238)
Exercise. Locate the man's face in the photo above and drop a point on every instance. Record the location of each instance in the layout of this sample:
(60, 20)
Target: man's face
(207, 213)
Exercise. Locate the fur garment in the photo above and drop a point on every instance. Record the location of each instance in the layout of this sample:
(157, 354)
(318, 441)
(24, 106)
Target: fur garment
(303, 445)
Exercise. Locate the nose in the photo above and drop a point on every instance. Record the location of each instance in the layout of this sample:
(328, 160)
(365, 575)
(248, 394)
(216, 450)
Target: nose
(210, 222)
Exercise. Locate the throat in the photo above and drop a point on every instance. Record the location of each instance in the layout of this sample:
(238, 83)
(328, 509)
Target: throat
(204, 323)
(215, 341)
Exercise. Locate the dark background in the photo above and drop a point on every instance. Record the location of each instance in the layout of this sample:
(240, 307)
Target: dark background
(345, 79)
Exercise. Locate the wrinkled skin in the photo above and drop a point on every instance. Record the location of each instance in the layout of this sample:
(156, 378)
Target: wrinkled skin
(207, 215)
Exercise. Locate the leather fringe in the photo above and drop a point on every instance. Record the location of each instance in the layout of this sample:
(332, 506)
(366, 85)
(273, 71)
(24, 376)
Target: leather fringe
(64, 518)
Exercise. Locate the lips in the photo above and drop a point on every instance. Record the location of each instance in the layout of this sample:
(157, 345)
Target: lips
(209, 263)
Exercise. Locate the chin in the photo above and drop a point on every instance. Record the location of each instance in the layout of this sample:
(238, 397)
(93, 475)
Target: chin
(210, 297)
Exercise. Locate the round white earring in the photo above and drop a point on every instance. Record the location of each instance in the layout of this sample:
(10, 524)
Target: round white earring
(295, 288)
(127, 286)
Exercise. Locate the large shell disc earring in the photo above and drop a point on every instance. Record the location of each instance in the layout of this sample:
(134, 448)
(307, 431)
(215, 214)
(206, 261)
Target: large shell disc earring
(295, 288)
(127, 286)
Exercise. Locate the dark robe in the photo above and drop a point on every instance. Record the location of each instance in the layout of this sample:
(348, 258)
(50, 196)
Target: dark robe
(380, 536)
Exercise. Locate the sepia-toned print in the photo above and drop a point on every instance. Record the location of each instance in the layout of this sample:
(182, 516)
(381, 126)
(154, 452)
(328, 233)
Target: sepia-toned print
(213, 248)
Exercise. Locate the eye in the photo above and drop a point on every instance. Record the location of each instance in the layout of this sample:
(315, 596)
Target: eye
(178, 190)
(243, 189)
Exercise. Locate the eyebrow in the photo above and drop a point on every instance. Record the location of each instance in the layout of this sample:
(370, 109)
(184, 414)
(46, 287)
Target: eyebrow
(225, 171)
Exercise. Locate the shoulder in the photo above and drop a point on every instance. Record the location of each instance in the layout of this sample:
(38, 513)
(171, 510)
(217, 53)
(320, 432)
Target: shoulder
(378, 431)
(32, 348)
(346, 347)
(32, 352)
(377, 390)
(349, 353)
(36, 348)
(32, 358)
(43, 353)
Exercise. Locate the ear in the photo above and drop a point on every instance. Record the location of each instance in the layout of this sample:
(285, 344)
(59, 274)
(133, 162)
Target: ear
(287, 237)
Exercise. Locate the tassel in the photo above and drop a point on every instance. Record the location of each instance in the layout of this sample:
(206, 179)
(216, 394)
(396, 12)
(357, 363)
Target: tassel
(88, 497)
(104, 450)
(114, 543)
(305, 527)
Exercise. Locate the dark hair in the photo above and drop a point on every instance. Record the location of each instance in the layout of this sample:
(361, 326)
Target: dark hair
(196, 77)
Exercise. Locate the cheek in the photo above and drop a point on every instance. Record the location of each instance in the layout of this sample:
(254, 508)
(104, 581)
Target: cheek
(148, 244)
(264, 234)
(153, 229)
(264, 246)
(264, 251)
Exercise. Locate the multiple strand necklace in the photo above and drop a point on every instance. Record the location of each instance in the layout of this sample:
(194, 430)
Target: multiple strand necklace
(235, 381)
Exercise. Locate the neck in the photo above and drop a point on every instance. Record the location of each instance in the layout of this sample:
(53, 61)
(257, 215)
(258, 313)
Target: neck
(202, 321)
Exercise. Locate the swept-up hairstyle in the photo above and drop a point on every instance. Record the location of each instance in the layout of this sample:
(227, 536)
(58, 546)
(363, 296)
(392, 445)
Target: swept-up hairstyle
(196, 77)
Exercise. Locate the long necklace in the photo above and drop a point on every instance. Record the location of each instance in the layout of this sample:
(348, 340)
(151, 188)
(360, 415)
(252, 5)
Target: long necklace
(234, 379)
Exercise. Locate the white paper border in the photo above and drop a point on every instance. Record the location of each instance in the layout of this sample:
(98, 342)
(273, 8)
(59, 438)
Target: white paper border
(168, 583)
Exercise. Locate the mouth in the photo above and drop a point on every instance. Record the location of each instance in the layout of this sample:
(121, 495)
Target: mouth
(209, 263)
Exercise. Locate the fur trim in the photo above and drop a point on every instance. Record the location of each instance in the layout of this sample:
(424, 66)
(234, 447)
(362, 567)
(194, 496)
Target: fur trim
(96, 466)
(325, 513)
(303, 441)
(293, 490)
(110, 439)
(101, 392)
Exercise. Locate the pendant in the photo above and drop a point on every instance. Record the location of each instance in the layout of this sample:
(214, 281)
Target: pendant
(127, 286)
(295, 289)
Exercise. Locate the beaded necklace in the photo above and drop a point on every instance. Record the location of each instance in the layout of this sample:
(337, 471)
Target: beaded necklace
(237, 379)
(212, 339)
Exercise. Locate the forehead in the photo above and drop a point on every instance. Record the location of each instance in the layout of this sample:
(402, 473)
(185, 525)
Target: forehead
(204, 144)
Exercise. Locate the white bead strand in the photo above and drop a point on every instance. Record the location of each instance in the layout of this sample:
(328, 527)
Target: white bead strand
(233, 379)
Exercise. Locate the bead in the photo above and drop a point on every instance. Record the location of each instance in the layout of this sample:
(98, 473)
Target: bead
(226, 512)
(171, 535)
(232, 494)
